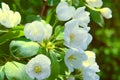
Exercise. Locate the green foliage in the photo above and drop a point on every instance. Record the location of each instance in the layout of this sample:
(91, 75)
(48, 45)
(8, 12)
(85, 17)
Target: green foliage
(97, 18)
(1, 73)
(11, 34)
(76, 2)
(59, 32)
(52, 2)
(106, 44)
(54, 66)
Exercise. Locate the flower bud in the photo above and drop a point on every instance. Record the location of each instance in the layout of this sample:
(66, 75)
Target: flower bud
(106, 12)
(94, 3)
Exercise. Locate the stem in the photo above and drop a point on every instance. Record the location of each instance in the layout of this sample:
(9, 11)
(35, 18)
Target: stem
(56, 21)
(4, 31)
(70, 2)
(54, 26)
(59, 42)
(35, 79)
(92, 8)
(44, 8)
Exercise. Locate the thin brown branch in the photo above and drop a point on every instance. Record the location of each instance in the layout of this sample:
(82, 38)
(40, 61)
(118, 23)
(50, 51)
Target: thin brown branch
(44, 8)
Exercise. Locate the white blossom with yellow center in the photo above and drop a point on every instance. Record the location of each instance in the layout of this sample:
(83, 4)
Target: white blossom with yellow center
(37, 31)
(39, 67)
(34, 31)
(76, 37)
(94, 3)
(9, 18)
(74, 58)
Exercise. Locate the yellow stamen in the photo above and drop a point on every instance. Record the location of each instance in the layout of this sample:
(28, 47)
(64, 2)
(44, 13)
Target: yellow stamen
(72, 36)
(37, 69)
(71, 57)
(36, 32)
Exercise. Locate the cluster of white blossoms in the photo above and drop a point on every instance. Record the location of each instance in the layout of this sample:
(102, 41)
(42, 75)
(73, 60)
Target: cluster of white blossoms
(66, 12)
(8, 18)
(37, 31)
(39, 67)
(77, 38)
(106, 12)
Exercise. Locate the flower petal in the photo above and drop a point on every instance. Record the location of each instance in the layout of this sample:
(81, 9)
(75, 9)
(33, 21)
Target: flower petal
(64, 12)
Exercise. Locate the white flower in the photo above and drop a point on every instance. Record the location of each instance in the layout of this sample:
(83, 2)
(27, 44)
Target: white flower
(91, 58)
(9, 18)
(76, 37)
(39, 67)
(82, 16)
(64, 12)
(74, 58)
(106, 12)
(94, 3)
(89, 75)
(90, 67)
(34, 31)
(47, 30)
(37, 31)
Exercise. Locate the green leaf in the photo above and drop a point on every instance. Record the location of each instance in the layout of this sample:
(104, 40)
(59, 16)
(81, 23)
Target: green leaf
(1, 73)
(23, 49)
(50, 14)
(52, 2)
(16, 71)
(54, 66)
(76, 2)
(97, 18)
(59, 32)
(18, 28)
(10, 35)
(32, 17)
(63, 67)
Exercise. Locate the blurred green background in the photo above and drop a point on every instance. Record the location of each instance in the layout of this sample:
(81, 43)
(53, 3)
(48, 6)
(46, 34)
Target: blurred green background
(106, 43)
(106, 40)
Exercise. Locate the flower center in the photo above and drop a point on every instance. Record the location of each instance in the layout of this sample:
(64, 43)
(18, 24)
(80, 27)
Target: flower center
(36, 32)
(37, 69)
(71, 57)
(72, 36)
